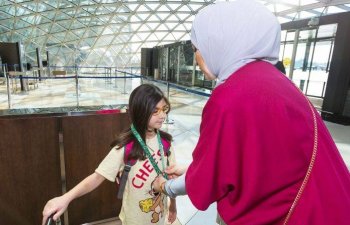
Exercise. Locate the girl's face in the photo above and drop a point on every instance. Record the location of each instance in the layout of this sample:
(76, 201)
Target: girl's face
(158, 116)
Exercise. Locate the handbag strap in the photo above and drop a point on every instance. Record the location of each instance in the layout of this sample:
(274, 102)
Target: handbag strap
(309, 170)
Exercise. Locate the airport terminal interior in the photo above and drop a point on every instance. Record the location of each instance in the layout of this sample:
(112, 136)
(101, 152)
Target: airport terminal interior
(64, 62)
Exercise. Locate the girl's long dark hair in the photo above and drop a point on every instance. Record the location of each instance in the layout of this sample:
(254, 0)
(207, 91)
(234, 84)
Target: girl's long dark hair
(142, 103)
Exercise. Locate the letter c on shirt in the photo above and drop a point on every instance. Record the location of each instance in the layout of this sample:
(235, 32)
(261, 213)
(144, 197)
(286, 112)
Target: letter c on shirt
(135, 185)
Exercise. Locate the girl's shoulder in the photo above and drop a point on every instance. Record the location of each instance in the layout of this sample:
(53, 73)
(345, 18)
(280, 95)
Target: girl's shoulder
(117, 148)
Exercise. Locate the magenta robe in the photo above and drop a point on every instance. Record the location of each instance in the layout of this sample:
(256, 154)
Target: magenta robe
(255, 145)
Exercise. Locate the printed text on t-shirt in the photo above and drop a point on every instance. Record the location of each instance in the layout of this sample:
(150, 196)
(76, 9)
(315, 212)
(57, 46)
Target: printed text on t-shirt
(143, 173)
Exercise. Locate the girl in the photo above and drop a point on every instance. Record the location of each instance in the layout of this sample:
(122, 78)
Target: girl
(144, 146)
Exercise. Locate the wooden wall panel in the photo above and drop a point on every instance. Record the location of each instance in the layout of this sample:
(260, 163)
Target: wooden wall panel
(86, 142)
(29, 168)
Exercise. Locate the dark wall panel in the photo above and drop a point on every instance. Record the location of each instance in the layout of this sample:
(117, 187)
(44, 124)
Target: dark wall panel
(29, 168)
(146, 61)
(11, 53)
(339, 74)
(86, 143)
(155, 58)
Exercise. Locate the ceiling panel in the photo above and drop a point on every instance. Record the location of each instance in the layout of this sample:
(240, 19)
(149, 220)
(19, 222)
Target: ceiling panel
(107, 28)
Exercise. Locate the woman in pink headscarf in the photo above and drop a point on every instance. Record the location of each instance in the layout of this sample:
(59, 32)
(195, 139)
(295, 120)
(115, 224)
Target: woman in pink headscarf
(264, 154)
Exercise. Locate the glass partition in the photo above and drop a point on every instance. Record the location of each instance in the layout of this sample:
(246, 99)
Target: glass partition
(177, 65)
(302, 60)
(163, 63)
(186, 57)
(307, 58)
(173, 72)
(68, 87)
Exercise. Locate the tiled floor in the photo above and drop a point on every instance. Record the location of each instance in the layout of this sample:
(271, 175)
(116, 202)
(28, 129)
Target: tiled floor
(185, 115)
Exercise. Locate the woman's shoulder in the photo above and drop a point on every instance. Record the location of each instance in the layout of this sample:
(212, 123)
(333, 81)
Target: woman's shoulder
(226, 95)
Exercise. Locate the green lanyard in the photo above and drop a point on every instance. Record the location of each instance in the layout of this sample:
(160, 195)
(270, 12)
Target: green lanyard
(148, 153)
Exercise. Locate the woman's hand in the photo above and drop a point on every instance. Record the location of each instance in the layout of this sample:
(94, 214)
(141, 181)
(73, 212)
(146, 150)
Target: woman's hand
(174, 170)
(55, 207)
(160, 180)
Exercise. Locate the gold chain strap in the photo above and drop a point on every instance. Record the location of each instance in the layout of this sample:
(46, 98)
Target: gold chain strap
(306, 179)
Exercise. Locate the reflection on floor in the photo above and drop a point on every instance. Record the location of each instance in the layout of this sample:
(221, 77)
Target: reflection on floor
(184, 120)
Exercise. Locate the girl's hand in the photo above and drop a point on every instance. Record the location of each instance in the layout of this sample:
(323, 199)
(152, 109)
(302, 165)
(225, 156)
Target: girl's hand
(55, 207)
(172, 212)
(119, 176)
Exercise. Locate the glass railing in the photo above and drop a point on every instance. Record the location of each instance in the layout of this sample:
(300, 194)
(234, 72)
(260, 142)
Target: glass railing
(73, 86)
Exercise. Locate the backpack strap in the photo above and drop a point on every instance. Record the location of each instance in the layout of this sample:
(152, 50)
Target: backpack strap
(127, 151)
(123, 180)
(126, 170)
(166, 146)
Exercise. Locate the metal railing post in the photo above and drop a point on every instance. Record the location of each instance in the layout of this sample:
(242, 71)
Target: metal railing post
(167, 90)
(115, 79)
(323, 89)
(105, 75)
(77, 84)
(124, 92)
(167, 120)
(36, 80)
(6, 75)
(110, 75)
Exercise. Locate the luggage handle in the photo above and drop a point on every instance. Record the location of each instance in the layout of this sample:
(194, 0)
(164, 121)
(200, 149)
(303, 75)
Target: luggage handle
(51, 221)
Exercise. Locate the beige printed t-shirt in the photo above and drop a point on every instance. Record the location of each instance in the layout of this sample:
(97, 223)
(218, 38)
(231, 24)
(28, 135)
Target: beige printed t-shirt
(139, 204)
